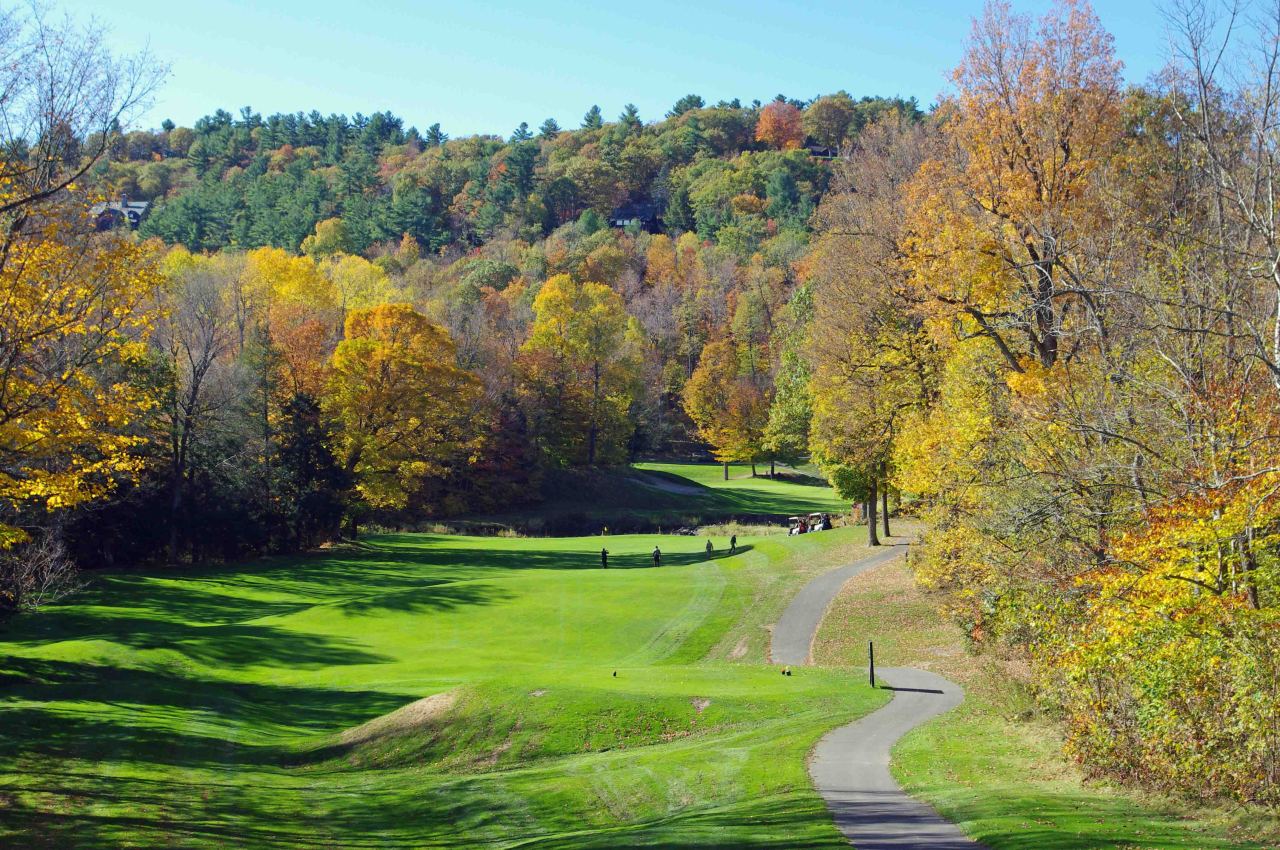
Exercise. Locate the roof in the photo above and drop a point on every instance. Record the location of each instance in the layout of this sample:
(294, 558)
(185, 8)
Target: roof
(138, 207)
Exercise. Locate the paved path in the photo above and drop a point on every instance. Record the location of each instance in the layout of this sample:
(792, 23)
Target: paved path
(850, 766)
(794, 631)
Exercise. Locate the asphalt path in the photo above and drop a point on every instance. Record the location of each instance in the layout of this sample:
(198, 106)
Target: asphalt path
(850, 765)
(794, 631)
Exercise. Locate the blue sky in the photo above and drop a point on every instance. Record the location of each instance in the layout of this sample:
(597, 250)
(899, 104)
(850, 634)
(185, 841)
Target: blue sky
(482, 67)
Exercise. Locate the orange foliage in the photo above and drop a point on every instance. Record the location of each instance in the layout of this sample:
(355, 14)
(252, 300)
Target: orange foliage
(780, 126)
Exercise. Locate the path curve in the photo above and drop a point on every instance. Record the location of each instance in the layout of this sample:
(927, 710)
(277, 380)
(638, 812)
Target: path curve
(850, 765)
(794, 632)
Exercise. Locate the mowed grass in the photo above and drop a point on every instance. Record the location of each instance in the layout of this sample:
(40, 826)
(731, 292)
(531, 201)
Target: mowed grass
(671, 495)
(224, 707)
(995, 765)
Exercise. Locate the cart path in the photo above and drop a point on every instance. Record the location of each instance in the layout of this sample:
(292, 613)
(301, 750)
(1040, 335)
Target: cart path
(850, 765)
(794, 632)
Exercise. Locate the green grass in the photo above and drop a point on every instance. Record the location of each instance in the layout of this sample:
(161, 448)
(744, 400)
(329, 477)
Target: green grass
(208, 708)
(669, 495)
(994, 765)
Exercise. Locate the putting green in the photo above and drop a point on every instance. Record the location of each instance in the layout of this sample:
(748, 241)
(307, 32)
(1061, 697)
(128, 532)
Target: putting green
(216, 708)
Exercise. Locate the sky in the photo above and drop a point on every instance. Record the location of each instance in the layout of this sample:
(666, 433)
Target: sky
(483, 67)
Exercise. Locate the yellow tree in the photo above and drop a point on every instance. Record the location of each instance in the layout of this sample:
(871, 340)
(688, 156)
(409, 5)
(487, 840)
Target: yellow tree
(728, 404)
(827, 119)
(1008, 222)
(73, 308)
(404, 409)
(580, 370)
(872, 362)
(359, 284)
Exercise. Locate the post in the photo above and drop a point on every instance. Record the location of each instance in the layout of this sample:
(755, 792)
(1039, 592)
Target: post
(871, 656)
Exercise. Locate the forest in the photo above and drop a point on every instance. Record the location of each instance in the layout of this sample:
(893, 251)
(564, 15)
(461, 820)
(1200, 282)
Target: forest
(1043, 315)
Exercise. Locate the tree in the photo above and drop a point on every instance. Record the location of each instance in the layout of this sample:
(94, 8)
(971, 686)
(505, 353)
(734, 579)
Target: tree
(402, 407)
(730, 409)
(787, 433)
(593, 120)
(580, 371)
(1003, 216)
(65, 100)
(330, 237)
(72, 309)
(629, 120)
(201, 331)
(827, 119)
(549, 129)
(873, 362)
(522, 133)
(360, 284)
(780, 127)
(435, 137)
(684, 104)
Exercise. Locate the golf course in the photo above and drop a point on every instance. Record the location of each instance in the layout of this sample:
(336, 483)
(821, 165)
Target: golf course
(428, 690)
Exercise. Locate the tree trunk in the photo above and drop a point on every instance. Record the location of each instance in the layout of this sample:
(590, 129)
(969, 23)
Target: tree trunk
(595, 415)
(176, 481)
(884, 501)
(773, 468)
(873, 539)
(753, 468)
(726, 470)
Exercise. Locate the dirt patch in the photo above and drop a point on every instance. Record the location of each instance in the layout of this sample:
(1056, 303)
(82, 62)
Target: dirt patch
(540, 692)
(700, 704)
(492, 759)
(415, 715)
(739, 650)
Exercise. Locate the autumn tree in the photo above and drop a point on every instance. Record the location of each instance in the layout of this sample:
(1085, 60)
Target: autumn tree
(872, 361)
(579, 369)
(196, 342)
(402, 406)
(1008, 220)
(729, 405)
(780, 126)
(827, 119)
(74, 311)
(72, 305)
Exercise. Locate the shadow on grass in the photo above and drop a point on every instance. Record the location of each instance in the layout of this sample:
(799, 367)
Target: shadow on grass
(72, 710)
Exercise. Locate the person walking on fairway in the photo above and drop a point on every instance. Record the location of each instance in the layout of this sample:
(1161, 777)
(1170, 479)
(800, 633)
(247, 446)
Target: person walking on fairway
(733, 544)
(604, 559)
(710, 548)
(657, 556)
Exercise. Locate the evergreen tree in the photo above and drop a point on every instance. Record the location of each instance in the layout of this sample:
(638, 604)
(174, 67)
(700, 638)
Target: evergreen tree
(684, 104)
(630, 118)
(435, 138)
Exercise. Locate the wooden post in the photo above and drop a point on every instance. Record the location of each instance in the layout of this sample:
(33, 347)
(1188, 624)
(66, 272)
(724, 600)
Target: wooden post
(871, 656)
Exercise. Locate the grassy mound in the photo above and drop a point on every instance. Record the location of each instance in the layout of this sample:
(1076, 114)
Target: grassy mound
(425, 691)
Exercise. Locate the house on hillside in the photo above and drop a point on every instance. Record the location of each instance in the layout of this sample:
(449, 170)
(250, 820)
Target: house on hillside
(111, 214)
(643, 214)
(822, 151)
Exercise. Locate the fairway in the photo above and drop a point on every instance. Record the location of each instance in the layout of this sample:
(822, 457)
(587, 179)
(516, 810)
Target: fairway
(663, 496)
(209, 709)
